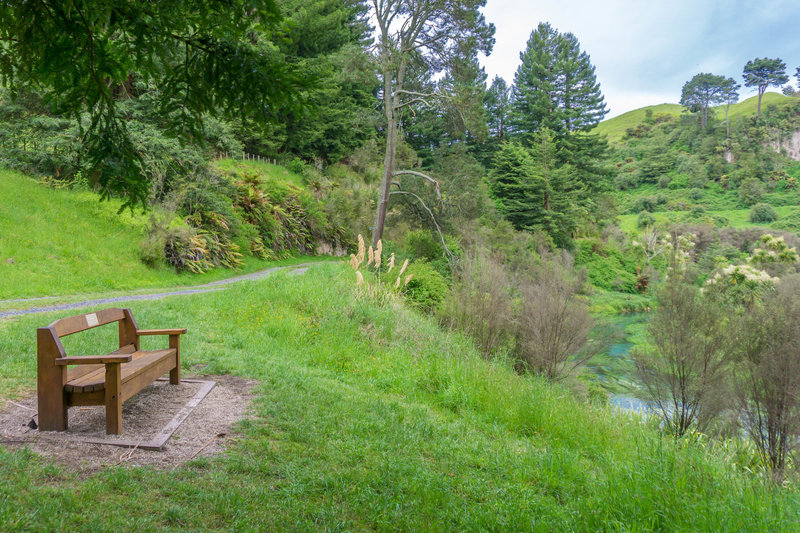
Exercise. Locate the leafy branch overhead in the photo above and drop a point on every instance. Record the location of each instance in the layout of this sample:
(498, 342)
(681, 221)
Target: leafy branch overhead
(85, 55)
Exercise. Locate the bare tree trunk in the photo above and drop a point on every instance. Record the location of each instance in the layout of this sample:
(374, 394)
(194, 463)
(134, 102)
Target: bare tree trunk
(727, 123)
(388, 160)
(391, 102)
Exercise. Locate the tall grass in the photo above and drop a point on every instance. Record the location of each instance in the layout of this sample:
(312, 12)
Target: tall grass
(371, 417)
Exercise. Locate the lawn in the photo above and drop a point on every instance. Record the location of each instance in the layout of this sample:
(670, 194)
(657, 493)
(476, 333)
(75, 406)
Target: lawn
(66, 242)
(370, 417)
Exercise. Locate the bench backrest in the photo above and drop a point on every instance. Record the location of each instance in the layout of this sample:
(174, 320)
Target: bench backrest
(48, 338)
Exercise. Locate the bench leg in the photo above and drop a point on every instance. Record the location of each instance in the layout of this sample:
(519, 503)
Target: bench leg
(113, 398)
(52, 408)
(175, 373)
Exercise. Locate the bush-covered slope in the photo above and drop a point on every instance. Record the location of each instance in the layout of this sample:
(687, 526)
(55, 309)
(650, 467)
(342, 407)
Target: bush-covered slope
(61, 241)
(370, 417)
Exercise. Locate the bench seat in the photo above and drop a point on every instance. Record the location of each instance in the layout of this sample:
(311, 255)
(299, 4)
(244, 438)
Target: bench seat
(141, 363)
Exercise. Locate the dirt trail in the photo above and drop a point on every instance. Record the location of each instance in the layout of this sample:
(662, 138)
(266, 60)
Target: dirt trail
(195, 289)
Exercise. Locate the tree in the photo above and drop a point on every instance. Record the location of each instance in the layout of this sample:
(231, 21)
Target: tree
(766, 343)
(533, 191)
(703, 91)
(555, 90)
(555, 86)
(85, 56)
(730, 90)
(763, 73)
(421, 36)
(326, 40)
(497, 108)
(684, 362)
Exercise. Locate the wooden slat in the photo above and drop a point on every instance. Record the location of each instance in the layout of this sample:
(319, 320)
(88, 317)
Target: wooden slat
(75, 399)
(146, 376)
(93, 359)
(176, 331)
(75, 324)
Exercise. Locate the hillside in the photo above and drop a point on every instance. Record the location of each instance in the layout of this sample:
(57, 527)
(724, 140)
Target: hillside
(614, 128)
(61, 241)
(369, 416)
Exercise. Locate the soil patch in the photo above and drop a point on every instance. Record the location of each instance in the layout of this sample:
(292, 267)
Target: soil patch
(204, 432)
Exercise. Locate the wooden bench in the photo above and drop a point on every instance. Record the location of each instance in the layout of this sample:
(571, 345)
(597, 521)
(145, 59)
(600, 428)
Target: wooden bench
(99, 379)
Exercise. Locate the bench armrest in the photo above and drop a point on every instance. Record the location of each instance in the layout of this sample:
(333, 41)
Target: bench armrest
(93, 359)
(176, 331)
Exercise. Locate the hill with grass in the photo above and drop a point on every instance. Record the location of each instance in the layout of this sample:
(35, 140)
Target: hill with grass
(615, 128)
(368, 415)
(61, 240)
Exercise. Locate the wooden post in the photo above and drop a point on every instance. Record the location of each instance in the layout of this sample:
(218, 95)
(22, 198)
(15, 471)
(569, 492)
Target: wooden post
(113, 398)
(50, 382)
(127, 330)
(175, 373)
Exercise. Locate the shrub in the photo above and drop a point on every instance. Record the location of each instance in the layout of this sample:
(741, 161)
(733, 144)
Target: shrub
(762, 213)
(696, 194)
(645, 203)
(751, 191)
(628, 180)
(553, 322)
(645, 219)
(606, 266)
(479, 303)
(427, 287)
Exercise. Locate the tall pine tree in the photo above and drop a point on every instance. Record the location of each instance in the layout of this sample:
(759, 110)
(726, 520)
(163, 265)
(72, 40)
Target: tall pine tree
(555, 86)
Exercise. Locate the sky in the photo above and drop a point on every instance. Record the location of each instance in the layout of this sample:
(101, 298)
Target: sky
(645, 50)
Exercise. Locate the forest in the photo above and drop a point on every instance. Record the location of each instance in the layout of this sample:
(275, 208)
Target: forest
(644, 266)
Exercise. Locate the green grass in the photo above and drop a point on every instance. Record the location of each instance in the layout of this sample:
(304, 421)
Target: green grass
(369, 417)
(614, 128)
(266, 170)
(65, 242)
(750, 106)
(737, 218)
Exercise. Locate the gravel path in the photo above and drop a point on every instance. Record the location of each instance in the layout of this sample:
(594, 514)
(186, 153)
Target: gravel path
(206, 287)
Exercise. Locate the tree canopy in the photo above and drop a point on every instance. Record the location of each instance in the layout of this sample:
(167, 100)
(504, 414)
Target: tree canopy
(703, 91)
(555, 86)
(85, 56)
(763, 73)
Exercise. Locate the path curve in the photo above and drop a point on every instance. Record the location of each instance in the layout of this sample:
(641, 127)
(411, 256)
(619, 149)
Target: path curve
(195, 289)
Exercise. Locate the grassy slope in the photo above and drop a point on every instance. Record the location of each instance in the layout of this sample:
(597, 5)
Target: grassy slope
(59, 242)
(263, 168)
(726, 204)
(615, 127)
(370, 417)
